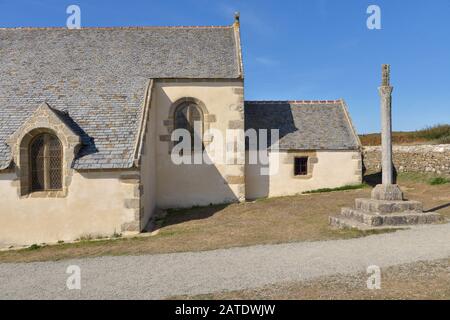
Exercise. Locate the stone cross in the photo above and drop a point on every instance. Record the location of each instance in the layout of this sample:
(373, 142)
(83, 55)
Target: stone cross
(386, 208)
(387, 190)
(386, 125)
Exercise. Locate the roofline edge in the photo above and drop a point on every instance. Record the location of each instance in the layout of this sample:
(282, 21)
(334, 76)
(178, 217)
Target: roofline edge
(293, 101)
(352, 126)
(116, 28)
(143, 123)
(237, 36)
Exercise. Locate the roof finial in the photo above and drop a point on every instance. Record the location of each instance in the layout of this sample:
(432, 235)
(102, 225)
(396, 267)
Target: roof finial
(236, 17)
(386, 70)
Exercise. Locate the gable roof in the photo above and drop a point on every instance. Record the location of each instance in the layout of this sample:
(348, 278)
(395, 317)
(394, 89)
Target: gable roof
(99, 77)
(304, 125)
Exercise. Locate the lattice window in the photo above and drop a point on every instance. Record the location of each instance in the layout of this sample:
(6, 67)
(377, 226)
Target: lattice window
(186, 116)
(301, 166)
(46, 163)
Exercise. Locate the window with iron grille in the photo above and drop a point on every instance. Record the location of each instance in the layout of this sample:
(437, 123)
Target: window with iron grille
(186, 116)
(45, 163)
(301, 166)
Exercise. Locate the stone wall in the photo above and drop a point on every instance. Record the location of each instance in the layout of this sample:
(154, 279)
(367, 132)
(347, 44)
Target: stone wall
(420, 158)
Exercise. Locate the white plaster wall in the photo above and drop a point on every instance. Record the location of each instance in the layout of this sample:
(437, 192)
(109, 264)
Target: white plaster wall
(334, 169)
(94, 206)
(190, 185)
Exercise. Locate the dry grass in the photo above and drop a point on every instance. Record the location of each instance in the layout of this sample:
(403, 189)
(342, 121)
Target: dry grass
(267, 221)
(435, 135)
(398, 138)
(421, 280)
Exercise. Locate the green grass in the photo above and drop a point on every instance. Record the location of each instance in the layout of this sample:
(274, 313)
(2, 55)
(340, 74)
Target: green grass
(434, 132)
(417, 177)
(33, 247)
(343, 188)
(444, 139)
(438, 180)
(428, 178)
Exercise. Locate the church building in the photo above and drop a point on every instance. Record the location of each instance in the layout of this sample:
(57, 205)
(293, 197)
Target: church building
(87, 120)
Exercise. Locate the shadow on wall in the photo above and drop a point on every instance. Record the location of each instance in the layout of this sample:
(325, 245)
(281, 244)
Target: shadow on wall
(265, 116)
(99, 174)
(256, 185)
(269, 116)
(187, 185)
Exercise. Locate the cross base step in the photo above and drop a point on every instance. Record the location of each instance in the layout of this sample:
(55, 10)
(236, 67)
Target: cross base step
(380, 214)
(346, 223)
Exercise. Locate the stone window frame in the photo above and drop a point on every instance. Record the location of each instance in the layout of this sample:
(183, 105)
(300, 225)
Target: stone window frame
(46, 172)
(199, 110)
(44, 120)
(169, 123)
(312, 161)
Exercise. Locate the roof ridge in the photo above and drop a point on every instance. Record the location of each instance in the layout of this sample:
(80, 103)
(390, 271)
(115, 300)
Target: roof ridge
(294, 101)
(120, 28)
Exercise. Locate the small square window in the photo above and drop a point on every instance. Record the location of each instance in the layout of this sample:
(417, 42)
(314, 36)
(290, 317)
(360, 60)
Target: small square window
(301, 166)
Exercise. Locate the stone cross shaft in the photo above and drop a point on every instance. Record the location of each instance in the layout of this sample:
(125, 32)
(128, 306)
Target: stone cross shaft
(386, 190)
(386, 126)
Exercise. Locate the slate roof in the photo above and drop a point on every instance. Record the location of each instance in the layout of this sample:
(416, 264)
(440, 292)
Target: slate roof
(99, 76)
(304, 125)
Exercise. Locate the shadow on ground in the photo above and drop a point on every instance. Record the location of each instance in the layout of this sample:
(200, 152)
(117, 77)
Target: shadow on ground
(438, 208)
(180, 216)
(373, 179)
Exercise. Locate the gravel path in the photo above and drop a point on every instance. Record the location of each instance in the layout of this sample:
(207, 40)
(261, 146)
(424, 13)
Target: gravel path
(164, 275)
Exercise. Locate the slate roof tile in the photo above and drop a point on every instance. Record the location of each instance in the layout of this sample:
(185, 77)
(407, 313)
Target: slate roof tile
(304, 125)
(99, 76)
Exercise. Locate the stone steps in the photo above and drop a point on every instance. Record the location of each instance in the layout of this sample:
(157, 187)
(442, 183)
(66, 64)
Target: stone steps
(384, 206)
(378, 213)
(391, 219)
(346, 223)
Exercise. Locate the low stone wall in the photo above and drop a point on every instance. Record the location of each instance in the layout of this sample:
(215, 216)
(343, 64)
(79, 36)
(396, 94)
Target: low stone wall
(420, 158)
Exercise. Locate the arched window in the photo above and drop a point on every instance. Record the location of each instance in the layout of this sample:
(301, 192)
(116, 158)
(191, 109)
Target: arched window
(188, 116)
(45, 163)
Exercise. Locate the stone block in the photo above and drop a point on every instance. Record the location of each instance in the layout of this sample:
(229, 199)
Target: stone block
(387, 192)
(313, 160)
(164, 138)
(236, 124)
(210, 118)
(386, 206)
(131, 226)
(138, 190)
(130, 179)
(350, 218)
(235, 179)
(238, 90)
(132, 203)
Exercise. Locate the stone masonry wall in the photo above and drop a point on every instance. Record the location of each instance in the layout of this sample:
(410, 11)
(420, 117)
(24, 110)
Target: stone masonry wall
(420, 158)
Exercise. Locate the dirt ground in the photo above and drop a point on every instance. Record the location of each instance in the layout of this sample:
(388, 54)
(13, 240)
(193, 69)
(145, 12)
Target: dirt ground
(267, 221)
(421, 280)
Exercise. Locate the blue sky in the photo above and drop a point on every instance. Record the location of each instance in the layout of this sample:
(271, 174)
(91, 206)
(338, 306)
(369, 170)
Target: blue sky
(303, 49)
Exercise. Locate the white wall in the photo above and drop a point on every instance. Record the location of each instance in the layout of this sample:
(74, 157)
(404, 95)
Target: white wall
(333, 169)
(94, 206)
(189, 185)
